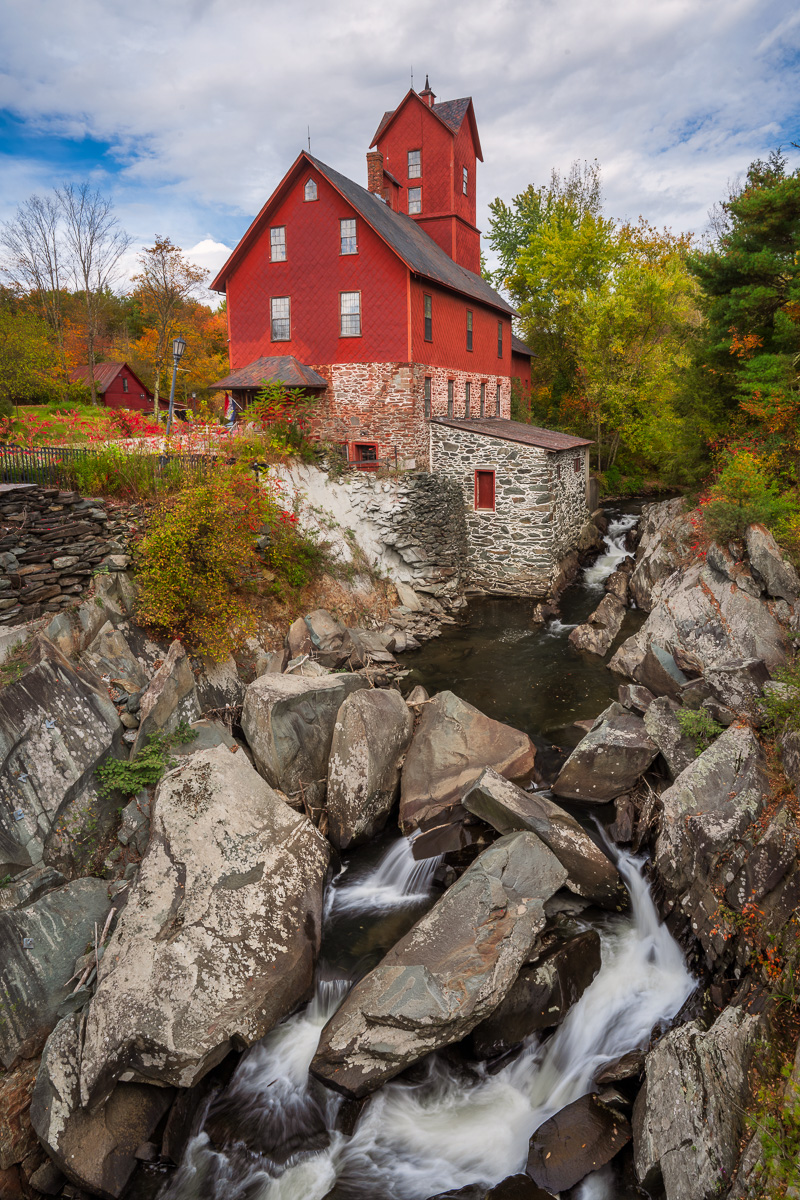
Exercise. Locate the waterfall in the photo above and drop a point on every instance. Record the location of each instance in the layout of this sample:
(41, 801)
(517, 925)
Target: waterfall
(595, 576)
(449, 1127)
(397, 879)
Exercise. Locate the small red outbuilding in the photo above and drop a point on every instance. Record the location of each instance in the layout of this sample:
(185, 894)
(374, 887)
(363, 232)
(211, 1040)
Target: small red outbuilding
(117, 385)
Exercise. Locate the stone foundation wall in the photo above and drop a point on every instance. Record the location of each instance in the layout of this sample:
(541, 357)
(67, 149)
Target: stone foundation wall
(385, 403)
(51, 543)
(517, 549)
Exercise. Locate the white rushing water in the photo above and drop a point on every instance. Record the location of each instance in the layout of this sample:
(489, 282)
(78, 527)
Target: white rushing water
(397, 879)
(595, 576)
(450, 1128)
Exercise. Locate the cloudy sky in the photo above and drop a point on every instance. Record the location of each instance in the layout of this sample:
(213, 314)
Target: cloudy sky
(188, 112)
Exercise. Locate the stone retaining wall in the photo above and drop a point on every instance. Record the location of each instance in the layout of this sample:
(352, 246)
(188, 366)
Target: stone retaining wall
(51, 543)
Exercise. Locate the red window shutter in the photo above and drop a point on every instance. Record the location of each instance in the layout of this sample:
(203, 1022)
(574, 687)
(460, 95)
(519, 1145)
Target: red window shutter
(484, 489)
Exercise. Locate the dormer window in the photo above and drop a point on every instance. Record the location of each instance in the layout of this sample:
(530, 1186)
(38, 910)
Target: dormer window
(414, 164)
(415, 200)
(347, 232)
(310, 190)
(465, 181)
(277, 243)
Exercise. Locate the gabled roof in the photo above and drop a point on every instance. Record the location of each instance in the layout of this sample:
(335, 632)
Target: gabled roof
(282, 368)
(417, 250)
(450, 112)
(515, 431)
(520, 347)
(104, 375)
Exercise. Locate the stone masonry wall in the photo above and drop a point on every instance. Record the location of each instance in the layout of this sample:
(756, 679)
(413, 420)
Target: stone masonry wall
(515, 550)
(51, 543)
(385, 403)
(569, 470)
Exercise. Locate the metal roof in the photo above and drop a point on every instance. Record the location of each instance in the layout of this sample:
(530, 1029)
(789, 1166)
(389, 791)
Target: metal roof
(515, 431)
(417, 249)
(104, 375)
(283, 368)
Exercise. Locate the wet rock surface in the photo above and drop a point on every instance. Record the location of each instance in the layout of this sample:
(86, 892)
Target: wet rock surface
(581, 1138)
(219, 936)
(608, 760)
(452, 744)
(600, 629)
(452, 969)
(541, 996)
(507, 807)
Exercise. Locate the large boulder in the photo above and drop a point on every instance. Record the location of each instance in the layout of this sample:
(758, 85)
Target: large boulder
(447, 974)
(370, 738)
(507, 808)
(541, 996)
(690, 1114)
(579, 1139)
(329, 641)
(56, 727)
(171, 697)
(600, 629)
(738, 684)
(17, 1139)
(609, 760)
(288, 721)
(95, 1148)
(780, 577)
(38, 947)
(665, 536)
(708, 808)
(662, 726)
(702, 615)
(219, 936)
(217, 682)
(452, 745)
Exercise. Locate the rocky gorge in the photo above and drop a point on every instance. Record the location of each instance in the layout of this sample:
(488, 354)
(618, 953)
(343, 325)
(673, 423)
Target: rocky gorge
(364, 938)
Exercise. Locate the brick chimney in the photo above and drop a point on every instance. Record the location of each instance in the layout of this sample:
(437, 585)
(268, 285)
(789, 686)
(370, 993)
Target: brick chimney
(426, 94)
(375, 172)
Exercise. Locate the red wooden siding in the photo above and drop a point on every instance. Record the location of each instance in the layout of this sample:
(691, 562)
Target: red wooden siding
(449, 345)
(137, 397)
(313, 276)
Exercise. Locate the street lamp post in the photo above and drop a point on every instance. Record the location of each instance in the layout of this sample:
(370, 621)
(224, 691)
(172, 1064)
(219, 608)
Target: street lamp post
(178, 347)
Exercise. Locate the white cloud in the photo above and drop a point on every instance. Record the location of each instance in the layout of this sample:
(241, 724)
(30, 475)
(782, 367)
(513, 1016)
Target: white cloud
(206, 102)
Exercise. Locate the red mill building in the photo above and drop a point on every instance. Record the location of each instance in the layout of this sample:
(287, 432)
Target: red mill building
(371, 298)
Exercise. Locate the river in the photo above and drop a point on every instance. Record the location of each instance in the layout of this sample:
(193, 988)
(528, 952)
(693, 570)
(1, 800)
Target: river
(275, 1134)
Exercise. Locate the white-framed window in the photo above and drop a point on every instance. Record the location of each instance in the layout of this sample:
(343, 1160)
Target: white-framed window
(347, 234)
(350, 314)
(414, 164)
(310, 190)
(281, 323)
(277, 243)
(415, 200)
(465, 181)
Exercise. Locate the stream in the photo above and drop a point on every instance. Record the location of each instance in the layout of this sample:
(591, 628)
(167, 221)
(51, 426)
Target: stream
(273, 1133)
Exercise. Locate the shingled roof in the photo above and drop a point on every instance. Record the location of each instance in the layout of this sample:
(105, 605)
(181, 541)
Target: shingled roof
(104, 375)
(520, 347)
(515, 431)
(281, 368)
(451, 112)
(417, 249)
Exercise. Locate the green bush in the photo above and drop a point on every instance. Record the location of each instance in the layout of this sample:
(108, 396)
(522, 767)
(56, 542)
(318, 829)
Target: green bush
(699, 726)
(147, 765)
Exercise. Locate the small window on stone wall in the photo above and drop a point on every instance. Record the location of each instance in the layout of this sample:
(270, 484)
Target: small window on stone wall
(483, 399)
(578, 464)
(498, 399)
(427, 395)
(484, 491)
(466, 399)
(450, 386)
